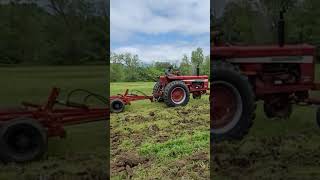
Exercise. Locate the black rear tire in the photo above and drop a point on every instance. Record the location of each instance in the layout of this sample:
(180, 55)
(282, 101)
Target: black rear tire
(117, 106)
(176, 86)
(241, 122)
(22, 140)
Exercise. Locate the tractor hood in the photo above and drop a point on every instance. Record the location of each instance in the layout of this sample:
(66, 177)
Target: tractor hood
(262, 51)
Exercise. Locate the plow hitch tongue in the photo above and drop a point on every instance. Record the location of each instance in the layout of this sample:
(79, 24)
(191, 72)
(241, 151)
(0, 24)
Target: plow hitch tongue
(118, 102)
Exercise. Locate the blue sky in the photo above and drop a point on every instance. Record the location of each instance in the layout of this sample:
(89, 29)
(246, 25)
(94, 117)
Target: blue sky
(161, 30)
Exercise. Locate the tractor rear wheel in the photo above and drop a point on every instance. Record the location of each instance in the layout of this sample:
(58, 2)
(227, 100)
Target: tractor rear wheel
(156, 91)
(233, 103)
(176, 93)
(22, 140)
(117, 106)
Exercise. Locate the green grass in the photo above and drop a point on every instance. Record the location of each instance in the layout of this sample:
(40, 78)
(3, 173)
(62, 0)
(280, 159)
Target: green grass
(178, 147)
(84, 150)
(175, 141)
(34, 83)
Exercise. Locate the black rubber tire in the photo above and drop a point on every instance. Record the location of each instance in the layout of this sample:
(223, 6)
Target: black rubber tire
(27, 131)
(169, 88)
(226, 72)
(117, 106)
(156, 89)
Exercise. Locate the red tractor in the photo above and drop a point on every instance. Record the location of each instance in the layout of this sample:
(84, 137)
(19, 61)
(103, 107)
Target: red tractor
(172, 88)
(175, 89)
(279, 75)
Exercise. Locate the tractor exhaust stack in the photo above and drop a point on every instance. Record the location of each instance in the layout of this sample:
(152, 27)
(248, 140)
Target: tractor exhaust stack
(198, 71)
(281, 25)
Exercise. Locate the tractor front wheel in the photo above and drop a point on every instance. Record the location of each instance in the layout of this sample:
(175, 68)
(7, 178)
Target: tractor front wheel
(176, 93)
(232, 101)
(22, 140)
(156, 92)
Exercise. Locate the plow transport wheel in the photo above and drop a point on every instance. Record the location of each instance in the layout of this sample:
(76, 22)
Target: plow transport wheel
(176, 93)
(22, 140)
(233, 103)
(117, 106)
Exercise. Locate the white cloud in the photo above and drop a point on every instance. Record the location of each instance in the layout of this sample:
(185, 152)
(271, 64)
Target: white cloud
(161, 52)
(189, 17)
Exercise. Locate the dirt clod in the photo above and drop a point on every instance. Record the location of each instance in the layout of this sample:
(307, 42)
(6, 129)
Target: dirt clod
(129, 171)
(152, 113)
(153, 128)
(129, 159)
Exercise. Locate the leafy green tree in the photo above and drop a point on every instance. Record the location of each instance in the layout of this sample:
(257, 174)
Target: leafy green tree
(205, 67)
(197, 58)
(185, 65)
(117, 69)
(124, 67)
(256, 22)
(65, 32)
(161, 66)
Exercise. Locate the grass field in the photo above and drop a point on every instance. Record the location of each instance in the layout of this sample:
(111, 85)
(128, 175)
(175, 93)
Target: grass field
(84, 151)
(273, 149)
(152, 141)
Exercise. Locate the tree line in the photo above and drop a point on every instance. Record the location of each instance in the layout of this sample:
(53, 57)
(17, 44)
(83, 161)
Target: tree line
(58, 32)
(256, 21)
(127, 67)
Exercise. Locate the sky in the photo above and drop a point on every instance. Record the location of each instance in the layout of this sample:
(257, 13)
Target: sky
(160, 30)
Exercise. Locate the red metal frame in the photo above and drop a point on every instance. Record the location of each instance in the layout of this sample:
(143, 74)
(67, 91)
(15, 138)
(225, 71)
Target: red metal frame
(250, 61)
(128, 98)
(189, 81)
(54, 119)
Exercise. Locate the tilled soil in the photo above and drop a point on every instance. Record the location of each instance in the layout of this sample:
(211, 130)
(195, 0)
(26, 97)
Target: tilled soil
(131, 130)
(77, 167)
(293, 156)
